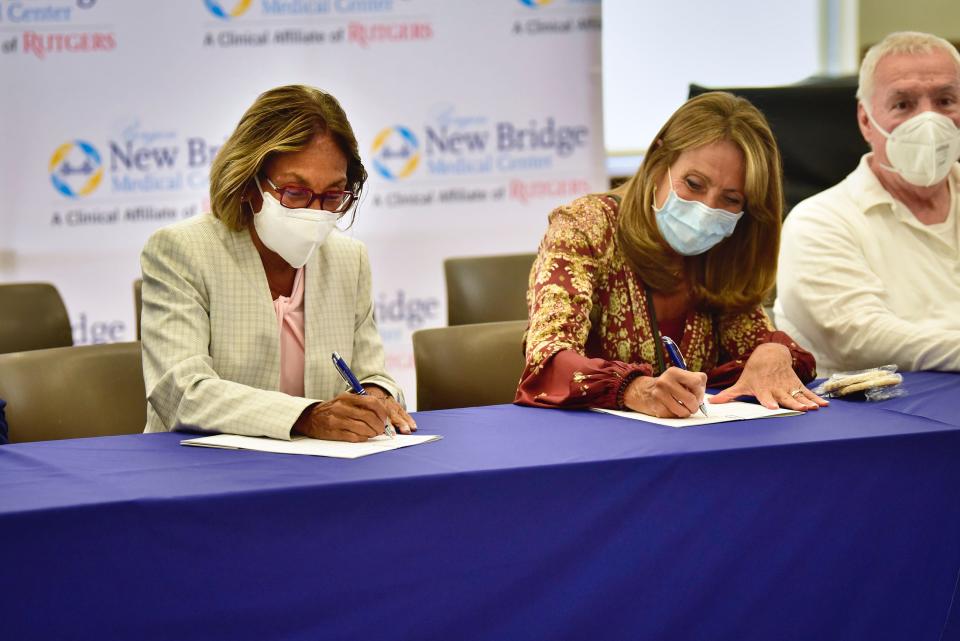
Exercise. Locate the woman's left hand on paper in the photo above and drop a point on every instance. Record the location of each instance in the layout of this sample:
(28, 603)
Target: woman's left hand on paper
(768, 375)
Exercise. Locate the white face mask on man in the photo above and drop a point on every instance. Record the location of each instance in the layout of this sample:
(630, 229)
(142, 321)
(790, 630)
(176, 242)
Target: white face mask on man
(293, 233)
(922, 149)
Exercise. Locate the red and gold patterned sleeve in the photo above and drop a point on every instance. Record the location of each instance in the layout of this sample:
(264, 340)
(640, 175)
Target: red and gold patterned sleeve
(578, 241)
(740, 334)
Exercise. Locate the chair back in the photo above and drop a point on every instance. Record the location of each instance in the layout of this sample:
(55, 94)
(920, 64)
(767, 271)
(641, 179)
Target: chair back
(32, 316)
(468, 365)
(815, 124)
(70, 392)
(485, 289)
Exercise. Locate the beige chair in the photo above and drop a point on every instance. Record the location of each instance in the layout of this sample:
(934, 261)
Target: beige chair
(69, 392)
(138, 302)
(485, 289)
(32, 316)
(468, 365)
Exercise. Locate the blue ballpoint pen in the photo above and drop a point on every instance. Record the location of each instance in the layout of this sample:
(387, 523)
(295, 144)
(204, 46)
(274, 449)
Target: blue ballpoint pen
(677, 359)
(351, 379)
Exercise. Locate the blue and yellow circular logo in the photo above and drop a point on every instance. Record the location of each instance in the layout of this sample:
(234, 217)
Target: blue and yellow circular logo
(396, 153)
(217, 8)
(536, 3)
(75, 168)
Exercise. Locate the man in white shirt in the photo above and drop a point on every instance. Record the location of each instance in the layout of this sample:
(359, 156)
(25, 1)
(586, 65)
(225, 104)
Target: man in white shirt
(869, 269)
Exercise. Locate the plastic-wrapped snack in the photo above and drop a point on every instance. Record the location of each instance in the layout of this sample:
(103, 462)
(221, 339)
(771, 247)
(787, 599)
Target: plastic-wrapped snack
(874, 384)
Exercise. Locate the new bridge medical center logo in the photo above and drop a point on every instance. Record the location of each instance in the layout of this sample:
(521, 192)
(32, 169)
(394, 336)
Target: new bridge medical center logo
(227, 10)
(535, 3)
(396, 153)
(76, 169)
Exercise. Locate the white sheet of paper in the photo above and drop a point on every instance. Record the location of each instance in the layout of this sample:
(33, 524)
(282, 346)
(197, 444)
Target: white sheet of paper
(721, 413)
(311, 446)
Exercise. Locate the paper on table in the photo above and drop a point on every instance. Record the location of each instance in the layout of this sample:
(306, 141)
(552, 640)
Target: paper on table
(311, 446)
(720, 413)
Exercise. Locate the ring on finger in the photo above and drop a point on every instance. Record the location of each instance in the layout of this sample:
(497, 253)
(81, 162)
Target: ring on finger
(797, 392)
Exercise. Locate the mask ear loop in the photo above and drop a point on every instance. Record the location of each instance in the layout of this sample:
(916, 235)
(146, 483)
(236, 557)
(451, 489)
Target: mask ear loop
(670, 185)
(886, 134)
(886, 137)
(244, 199)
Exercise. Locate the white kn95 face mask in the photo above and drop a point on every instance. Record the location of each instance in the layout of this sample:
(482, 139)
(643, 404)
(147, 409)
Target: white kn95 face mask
(293, 233)
(922, 149)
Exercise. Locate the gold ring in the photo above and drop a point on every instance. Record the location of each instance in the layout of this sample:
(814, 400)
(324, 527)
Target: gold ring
(796, 392)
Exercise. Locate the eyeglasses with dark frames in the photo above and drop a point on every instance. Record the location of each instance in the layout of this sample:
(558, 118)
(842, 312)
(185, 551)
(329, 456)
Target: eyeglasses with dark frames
(295, 197)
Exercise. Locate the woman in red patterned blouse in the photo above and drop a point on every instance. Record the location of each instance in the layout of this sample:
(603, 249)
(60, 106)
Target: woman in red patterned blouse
(687, 248)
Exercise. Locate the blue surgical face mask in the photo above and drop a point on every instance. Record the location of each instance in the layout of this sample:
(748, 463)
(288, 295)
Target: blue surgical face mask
(690, 227)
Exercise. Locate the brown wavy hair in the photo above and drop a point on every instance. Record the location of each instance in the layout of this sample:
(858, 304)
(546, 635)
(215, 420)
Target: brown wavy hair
(736, 273)
(280, 120)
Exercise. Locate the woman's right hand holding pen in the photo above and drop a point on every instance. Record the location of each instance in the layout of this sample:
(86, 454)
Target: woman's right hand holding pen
(676, 393)
(347, 417)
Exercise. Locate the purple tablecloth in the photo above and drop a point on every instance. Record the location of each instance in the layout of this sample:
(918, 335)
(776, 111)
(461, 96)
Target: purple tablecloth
(520, 523)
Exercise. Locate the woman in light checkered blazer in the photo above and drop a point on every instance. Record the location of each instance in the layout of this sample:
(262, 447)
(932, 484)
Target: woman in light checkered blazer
(243, 306)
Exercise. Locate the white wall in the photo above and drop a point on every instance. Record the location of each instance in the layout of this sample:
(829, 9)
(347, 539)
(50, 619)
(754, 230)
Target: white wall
(652, 51)
(877, 18)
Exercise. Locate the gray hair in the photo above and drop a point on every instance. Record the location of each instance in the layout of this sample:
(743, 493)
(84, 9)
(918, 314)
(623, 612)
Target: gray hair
(909, 42)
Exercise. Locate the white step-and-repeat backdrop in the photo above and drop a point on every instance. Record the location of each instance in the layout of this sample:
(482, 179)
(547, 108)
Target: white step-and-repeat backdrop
(474, 120)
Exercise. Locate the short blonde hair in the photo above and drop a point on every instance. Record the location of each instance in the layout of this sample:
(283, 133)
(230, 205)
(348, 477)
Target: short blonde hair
(899, 42)
(735, 274)
(280, 120)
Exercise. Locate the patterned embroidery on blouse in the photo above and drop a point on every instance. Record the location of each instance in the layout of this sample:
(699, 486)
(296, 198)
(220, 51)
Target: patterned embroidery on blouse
(578, 380)
(584, 296)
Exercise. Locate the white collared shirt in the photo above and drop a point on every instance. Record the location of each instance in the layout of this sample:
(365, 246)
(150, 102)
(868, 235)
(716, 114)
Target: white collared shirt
(862, 282)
